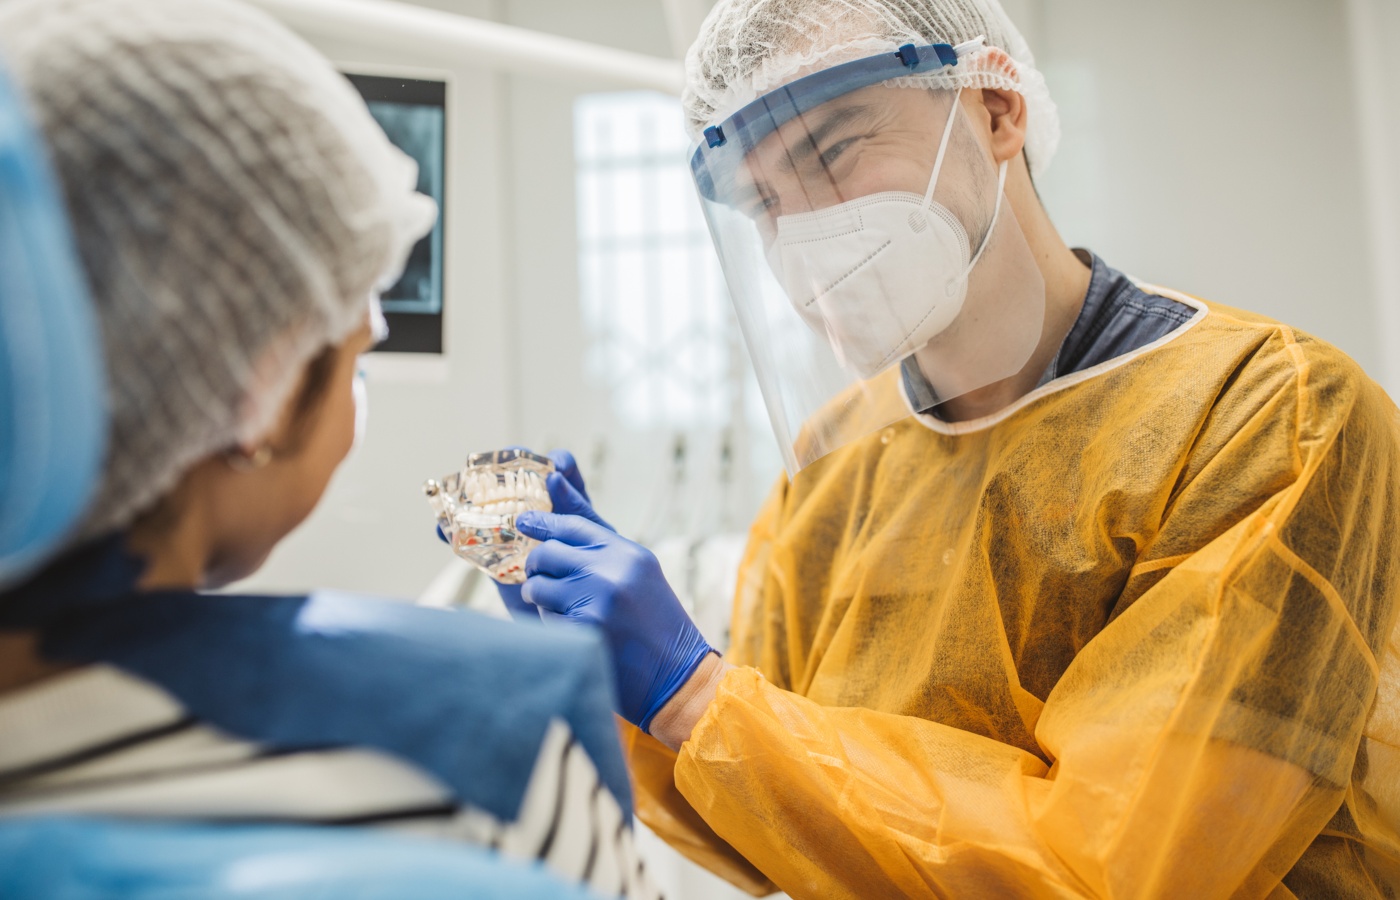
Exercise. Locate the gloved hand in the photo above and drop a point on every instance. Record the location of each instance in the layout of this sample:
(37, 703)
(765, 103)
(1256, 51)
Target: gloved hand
(569, 496)
(585, 572)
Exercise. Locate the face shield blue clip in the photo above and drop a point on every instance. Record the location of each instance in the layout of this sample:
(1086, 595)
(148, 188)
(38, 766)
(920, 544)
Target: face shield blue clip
(741, 132)
(909, 55)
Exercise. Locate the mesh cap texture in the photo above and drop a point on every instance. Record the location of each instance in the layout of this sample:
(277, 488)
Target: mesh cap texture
(747, 48)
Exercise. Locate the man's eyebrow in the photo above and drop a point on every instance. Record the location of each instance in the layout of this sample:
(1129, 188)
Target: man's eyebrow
(806, 146)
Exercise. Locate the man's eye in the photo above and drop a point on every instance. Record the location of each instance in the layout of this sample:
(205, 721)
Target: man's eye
(762, 204)
(831, 154)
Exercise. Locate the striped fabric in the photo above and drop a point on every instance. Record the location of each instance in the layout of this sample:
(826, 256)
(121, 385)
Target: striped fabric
(100, 741)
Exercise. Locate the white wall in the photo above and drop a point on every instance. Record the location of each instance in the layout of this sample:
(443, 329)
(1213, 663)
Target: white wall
(1213, 147)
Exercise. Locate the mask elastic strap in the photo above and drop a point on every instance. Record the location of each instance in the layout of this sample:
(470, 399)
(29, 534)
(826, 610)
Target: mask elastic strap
(996, 214)
(942, 152)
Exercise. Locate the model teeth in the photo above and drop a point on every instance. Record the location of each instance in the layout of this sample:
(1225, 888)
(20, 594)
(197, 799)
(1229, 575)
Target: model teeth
(504, 494)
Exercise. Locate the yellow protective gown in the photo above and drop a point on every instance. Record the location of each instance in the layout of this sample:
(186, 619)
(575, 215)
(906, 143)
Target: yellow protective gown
(1133, 637)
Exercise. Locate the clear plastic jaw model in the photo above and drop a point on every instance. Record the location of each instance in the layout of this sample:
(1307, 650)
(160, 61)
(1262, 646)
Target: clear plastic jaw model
(476, 509)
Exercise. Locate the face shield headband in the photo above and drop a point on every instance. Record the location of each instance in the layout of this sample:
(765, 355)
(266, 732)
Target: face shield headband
(723, 144)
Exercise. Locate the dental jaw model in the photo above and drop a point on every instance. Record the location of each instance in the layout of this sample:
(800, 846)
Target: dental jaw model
(476, 509)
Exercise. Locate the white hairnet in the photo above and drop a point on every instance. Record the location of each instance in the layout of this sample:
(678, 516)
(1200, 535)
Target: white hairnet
(749, 47)
(235, 207)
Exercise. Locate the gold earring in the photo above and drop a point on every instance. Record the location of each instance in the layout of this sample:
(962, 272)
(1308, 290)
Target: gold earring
(249, 462)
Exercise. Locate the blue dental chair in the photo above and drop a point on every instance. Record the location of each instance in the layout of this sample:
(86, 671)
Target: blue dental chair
(52, 431)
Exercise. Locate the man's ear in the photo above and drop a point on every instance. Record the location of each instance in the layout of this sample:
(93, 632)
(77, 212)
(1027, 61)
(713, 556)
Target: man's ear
(1005, 111)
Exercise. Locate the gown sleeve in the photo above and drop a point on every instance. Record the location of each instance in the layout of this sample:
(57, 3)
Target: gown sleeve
(1197, 745)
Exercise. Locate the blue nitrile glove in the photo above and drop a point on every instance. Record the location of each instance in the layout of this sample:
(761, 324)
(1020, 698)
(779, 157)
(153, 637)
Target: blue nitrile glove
(584, 572)
(569, 496)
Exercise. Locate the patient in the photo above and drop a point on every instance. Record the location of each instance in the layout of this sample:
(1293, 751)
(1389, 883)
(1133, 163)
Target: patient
(237, 210)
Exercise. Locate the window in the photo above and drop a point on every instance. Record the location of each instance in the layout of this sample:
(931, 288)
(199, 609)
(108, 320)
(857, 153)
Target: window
(662, 338)
(663, 343)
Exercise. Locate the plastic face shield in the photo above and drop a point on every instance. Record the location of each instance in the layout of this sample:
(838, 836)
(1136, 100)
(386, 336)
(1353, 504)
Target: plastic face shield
(874, 263)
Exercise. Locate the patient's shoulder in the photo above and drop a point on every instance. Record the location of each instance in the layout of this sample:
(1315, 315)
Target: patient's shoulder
(330, 654)
(347, 638)
(455, 692)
